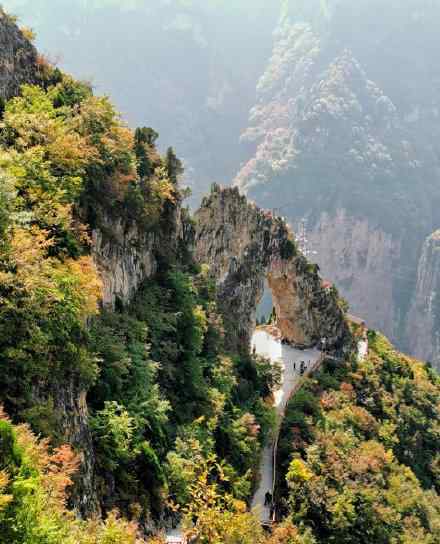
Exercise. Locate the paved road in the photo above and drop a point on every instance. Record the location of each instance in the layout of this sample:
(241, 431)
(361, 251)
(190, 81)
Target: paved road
(268, 346)
(362, 350)
(174, 536)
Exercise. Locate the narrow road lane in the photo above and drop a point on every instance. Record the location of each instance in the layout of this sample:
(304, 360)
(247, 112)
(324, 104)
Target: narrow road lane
(267, 345)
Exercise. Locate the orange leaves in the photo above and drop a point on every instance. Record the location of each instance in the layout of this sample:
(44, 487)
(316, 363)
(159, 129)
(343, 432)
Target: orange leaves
(370, 457)
(328, 400)
(30, 269)
(54, 468)
(347, 389)
(61, 465)
(4, 498)
(45, 281)
(69, 152)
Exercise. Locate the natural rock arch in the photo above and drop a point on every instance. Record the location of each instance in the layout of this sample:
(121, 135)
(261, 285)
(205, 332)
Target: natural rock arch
(245, 245)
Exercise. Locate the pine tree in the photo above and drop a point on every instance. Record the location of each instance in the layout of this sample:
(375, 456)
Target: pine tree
(174, 166)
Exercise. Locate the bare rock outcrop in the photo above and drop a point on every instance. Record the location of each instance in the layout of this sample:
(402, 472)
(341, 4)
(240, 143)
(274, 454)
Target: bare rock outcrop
(423, 327)
(126, 253)
(124, 259)
(245, 245)
(362, 260)
(18, 58)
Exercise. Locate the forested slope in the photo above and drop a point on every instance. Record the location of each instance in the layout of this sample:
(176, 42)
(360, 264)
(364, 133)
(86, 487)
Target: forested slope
(359, 451)
(131, 402)
(138, 388)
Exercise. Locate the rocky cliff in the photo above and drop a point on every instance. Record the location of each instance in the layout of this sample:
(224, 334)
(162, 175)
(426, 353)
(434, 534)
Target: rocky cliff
(18, 58)
(245, 245)
(423, 328)
(127, 253)
(346, 141)
(362, 260)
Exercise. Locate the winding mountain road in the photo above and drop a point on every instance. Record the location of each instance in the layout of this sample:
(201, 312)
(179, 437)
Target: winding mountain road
(266, 344)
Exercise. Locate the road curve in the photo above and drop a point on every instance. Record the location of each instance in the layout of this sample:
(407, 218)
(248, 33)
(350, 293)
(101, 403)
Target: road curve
(266, 344)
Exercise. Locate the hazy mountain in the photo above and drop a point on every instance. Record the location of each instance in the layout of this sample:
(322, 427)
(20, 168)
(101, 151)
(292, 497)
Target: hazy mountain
(346, 126)
(187, 68)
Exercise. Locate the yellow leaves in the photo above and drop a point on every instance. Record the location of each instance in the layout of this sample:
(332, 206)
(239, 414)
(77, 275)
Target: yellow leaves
(97, 116)
(200, 319)
(46, 280)
(28, 249)
(371, 457)
(289, 534)
(298, 472)
(85, 285)
(68, 151)
(343, 509)
(28, 33)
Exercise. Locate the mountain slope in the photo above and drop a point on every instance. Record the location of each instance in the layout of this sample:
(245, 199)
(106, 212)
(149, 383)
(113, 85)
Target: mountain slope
(346, 141)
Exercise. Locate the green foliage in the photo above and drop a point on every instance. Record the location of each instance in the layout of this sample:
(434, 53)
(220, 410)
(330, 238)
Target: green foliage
(194, 398)
(173, 165)
(156, 373)
(359, 451)
(288, 249)
(34, 481)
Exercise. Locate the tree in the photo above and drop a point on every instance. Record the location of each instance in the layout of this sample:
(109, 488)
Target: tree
(174, 166)
(144, 140)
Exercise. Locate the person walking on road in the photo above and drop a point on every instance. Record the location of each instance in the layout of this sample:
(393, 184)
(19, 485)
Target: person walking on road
(268, 499)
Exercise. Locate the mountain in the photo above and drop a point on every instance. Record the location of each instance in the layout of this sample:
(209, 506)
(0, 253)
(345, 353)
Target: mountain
(130, 399)
(189, 69)
(346, 131)
(423, 326)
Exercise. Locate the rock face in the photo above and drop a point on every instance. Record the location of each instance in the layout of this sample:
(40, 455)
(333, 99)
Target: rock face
(245, 245)
(345, 140)
(18, 58)
(126, 254)
(124, 260)
(361, 259)
(72, 422)
(423, 328)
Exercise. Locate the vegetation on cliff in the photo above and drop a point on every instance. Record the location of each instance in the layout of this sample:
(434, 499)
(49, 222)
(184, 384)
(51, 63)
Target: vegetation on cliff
(160, 387)
(345, 129)
(34, 482)
(359, 451)
(177, 421)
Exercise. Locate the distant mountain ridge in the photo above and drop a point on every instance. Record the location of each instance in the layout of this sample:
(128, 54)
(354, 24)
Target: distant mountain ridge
(346, 126)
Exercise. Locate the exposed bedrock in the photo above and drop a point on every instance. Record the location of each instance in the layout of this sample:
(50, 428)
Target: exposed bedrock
(423, 327)
(245, 245)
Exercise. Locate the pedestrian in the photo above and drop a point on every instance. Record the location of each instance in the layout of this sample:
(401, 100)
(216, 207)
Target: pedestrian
(268, 499)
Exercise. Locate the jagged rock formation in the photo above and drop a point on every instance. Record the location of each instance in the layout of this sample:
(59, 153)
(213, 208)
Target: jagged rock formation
(127, 253)
(244, 245)
(423, 327)
(345, 140)
(18, 58)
